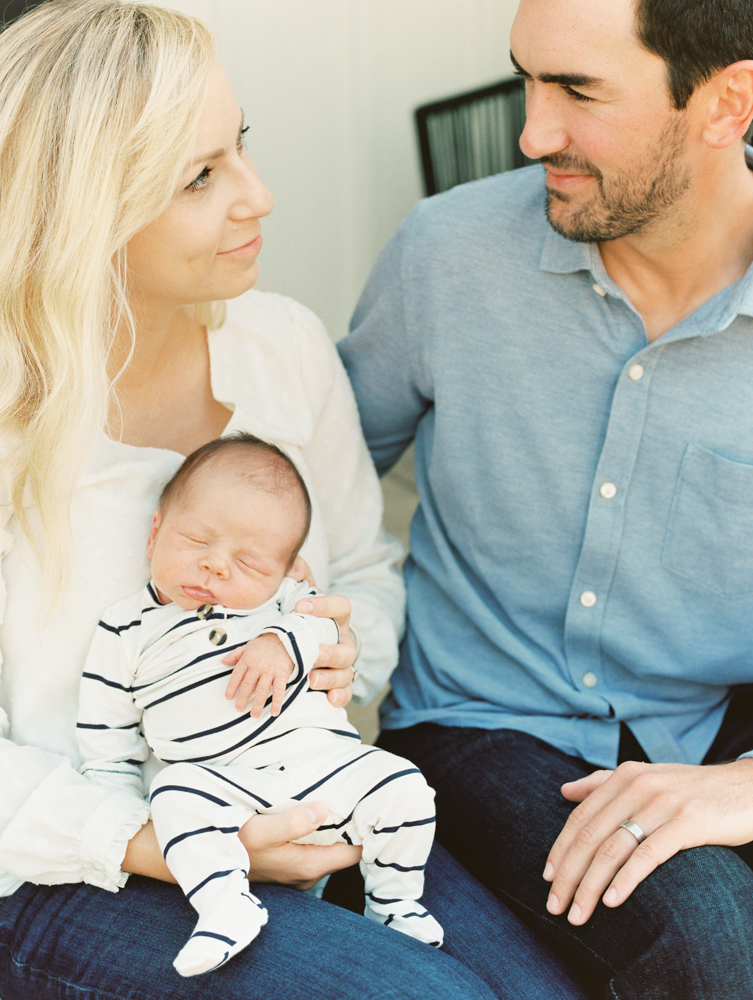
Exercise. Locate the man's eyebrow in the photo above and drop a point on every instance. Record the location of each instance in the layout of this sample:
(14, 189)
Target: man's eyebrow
(566, 79)
(216, 154)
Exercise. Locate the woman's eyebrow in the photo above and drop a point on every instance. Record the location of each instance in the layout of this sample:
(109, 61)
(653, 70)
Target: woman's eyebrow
(216, 154)
(566, 79)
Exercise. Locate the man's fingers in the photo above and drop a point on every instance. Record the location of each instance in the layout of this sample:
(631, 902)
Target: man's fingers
(597, 807)
(576, 791)
(663, 844)
(615, 852)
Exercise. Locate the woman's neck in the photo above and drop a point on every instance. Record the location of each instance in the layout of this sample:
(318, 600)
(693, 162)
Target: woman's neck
(163, 394)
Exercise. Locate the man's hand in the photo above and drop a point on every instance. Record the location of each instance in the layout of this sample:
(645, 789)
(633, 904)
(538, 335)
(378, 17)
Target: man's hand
(263, 665)
(273, 858)
(339, 659)
(676, 805)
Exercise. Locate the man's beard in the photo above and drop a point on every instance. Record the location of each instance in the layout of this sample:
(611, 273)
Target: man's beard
(629, 202)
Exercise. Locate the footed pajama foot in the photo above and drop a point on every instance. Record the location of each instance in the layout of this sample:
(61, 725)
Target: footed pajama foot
(408, 917)
(224, 929)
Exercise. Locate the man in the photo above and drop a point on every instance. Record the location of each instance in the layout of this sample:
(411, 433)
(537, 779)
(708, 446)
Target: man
(572, 349)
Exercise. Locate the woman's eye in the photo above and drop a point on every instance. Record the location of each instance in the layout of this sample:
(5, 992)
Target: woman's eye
(242, 137)
(199, 182)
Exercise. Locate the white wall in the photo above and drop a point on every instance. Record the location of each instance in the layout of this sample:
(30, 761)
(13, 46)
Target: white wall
(328, 87)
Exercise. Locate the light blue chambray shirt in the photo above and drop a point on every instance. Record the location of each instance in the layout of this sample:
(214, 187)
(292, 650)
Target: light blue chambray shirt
(583, 550)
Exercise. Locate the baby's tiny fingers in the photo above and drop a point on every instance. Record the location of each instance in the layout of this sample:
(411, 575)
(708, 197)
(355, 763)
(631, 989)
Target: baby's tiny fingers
(260, 696)
(232, 657)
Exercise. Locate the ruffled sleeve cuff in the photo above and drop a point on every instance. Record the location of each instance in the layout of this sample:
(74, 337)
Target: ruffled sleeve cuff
(105, 839)
(71, 830)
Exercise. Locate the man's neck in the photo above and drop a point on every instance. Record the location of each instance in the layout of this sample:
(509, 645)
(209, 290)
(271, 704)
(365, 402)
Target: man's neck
(706, 244)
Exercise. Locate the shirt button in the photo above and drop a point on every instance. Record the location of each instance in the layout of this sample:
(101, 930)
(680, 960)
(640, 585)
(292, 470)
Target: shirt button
(608, 491)
(204, 611)
(588, 598)
(599, 290)
(635, 372)
(590, 680)
(218, 636)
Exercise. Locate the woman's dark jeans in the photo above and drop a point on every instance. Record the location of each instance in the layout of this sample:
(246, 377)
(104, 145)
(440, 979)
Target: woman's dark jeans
(75, 942)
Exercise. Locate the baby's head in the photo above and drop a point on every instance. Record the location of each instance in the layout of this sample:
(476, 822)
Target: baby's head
(229, 525)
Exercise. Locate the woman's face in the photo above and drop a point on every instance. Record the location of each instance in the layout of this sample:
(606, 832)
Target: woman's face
(204, 246)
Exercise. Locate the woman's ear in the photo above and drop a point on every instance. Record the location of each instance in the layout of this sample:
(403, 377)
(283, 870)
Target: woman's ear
(152, 540)
(728, 104)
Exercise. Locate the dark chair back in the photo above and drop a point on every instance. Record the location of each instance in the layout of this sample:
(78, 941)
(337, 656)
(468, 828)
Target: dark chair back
(472, 135)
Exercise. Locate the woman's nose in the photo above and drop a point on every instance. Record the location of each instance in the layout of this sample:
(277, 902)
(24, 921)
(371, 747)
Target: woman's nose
(545, 132)
(254, 199)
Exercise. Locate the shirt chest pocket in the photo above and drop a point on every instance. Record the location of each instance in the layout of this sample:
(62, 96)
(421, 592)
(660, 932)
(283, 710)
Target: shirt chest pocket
(709, 537)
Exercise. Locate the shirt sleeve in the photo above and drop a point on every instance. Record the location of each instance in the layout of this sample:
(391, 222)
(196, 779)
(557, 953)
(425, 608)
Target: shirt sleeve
(109, 733)
(363, 557)
(55, 826)
(383, 354)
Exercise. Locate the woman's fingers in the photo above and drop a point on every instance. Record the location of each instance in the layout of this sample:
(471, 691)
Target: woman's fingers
(300, 571)
(326, 606)
(274, 858)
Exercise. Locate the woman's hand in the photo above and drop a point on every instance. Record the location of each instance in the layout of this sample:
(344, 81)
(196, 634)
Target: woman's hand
(338, 660)
(274, 858)
(677, 806)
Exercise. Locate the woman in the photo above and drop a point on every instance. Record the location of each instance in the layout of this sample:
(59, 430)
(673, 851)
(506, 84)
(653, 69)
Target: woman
(129, 211)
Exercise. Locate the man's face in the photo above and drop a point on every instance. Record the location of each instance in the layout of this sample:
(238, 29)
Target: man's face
(600, 118)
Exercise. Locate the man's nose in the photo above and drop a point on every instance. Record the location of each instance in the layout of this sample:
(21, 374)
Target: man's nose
(545, 132)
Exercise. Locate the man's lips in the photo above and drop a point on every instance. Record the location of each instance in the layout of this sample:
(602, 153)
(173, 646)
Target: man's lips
(562, 180)
(247, 249)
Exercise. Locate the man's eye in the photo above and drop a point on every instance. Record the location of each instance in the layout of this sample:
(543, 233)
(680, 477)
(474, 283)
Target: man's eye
(576, 94)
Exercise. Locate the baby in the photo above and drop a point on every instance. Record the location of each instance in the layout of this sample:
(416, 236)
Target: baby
(228, 529)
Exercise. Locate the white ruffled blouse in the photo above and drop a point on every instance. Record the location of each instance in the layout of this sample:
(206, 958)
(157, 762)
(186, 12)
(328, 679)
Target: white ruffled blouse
(274, 367)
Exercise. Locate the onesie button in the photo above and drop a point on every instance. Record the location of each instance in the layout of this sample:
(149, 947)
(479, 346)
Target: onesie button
(204, 611)
(218, 636)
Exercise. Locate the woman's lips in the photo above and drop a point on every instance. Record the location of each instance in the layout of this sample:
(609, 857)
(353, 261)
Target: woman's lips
(247, 250)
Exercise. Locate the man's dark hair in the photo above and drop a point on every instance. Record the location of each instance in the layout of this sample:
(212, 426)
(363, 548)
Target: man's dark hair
(268, 469)
(695, 38)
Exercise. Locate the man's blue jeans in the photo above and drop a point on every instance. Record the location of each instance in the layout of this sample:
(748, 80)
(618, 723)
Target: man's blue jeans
(75, 942)
(686, 933)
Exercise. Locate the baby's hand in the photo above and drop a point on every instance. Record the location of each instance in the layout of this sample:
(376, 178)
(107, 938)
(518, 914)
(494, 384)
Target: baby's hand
(263, 665)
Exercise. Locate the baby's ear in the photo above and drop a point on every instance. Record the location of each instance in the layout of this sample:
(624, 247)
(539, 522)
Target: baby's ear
(152, 540)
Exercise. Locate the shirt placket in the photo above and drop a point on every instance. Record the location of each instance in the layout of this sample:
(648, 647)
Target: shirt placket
(602, 539)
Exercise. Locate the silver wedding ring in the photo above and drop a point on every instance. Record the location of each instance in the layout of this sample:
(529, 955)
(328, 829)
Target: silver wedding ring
(633, 828)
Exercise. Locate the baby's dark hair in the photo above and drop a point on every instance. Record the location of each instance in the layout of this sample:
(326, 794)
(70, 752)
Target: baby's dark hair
(266, 467)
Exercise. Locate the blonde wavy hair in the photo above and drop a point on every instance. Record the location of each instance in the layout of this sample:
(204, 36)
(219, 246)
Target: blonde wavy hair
(99, 102)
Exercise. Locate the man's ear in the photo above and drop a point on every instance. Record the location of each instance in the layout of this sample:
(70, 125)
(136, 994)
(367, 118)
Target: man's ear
(156, 520)
(728, 104)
